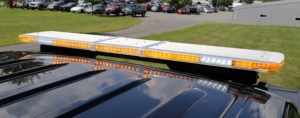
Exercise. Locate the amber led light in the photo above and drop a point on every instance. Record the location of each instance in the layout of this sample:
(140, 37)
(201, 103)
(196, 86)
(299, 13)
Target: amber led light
(27, 39)
(98, 68)
(269, 67)
(172, 56)
(59, 62)
(71, 44)
(119, 50)
(72, 59)
(118, 66)
(177, 93)
(28, 57)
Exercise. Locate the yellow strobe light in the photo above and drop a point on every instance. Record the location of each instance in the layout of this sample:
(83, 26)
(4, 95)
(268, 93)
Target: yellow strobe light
(120, 50)
(71, 44)
(27, 39)
(269, 67)
(172, 56)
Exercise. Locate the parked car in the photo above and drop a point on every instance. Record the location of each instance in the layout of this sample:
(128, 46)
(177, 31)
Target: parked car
(200, 8)
(14, 5)
(79, 8)
(207, 10)
(193, 10)
(221, 8)
(156, 8)
(134, 10)
(26, 4)
(2, 4)
(148, 6)
(163, 6)
(183, 10)
(19, 5)
(170, 9)
(214, 9)
(55, 6)
(115, 8)
(67, 7)
(127, 1)
(230, 9)
(97, 9)
(39, 4)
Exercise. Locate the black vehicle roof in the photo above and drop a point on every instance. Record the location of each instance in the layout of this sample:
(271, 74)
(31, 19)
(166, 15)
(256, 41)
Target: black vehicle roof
(45, 85)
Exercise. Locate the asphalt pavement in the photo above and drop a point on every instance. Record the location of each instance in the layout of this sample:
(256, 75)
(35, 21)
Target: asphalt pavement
(154, 23)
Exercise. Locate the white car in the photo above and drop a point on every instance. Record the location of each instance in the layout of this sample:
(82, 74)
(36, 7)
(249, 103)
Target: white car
(2, 4)
(208, 10)
(156, 8)
(80, 8)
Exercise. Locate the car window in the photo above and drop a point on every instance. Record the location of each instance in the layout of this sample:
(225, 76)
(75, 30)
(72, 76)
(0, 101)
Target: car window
(114, 5)
(79, 6)
(292, 113)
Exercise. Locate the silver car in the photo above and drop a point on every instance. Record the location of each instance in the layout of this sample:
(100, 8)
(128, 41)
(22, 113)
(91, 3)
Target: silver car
(39, 4)
(26, 4)
(207, 10)
(156, 8)
(97, 9)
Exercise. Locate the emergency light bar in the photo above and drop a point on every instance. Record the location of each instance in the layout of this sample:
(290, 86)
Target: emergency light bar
(263, 61)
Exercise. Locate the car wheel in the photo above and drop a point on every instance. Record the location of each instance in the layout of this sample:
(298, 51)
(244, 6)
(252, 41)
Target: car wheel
(123, 14)
(41, 8)
(133, 14)
(164, 12)
(27, 7)
(107, 14)
(32, 8)
(143, 14)
(61, 10)
(51, 10)
(81, 11)
(97, 12)
(117, 14)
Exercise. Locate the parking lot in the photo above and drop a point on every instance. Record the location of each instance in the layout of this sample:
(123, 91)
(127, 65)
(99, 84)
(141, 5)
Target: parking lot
(158, 22)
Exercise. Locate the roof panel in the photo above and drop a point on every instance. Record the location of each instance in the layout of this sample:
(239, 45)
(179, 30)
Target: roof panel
(267, 4)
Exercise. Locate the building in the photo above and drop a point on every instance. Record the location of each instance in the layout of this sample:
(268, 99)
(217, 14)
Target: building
(280, 12)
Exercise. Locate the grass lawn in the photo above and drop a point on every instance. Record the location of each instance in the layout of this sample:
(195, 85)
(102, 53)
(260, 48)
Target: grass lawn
(270, 38)
(16, 21)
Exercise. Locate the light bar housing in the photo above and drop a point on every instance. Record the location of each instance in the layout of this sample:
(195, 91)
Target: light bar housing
(255, 60)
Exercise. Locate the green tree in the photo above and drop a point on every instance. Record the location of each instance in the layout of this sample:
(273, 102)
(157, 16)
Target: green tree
(222, 3)
(8, 2)
(179, 3)
(247, 1)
